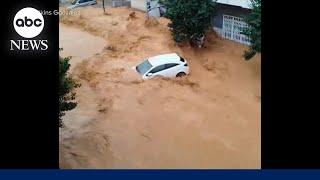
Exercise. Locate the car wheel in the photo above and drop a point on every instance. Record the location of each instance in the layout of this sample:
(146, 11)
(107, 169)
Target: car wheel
(181, 74)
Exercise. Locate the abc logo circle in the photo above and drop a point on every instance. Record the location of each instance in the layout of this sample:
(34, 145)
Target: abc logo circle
(28, 22)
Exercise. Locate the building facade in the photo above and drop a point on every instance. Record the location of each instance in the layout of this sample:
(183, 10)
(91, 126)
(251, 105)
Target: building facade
(228, 21)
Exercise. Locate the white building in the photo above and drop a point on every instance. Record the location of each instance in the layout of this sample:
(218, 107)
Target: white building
(139, 4)
(151, 5)
(239, 3)
(228, 20)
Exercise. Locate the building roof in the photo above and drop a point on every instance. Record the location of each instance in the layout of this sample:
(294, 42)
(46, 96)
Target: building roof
(164, 59)
(242, 3)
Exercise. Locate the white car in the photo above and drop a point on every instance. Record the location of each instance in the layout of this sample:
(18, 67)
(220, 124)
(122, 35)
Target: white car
(81, 3)
(166, 65)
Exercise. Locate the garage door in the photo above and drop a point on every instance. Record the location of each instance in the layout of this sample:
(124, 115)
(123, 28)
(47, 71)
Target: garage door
(232, 26)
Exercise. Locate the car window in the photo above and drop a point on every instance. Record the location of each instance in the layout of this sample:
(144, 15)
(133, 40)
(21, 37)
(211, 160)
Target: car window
(83, 1)
(170, 65)
(144, 67)
(158, 68)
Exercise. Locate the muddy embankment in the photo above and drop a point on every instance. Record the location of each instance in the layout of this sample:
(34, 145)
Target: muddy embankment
(210, 119)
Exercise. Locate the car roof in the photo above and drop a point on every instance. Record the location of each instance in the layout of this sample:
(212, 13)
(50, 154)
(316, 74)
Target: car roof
(164, 59)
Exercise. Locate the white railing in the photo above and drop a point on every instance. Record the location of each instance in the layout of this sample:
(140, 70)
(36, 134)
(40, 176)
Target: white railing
(232, 27)
(243, 39)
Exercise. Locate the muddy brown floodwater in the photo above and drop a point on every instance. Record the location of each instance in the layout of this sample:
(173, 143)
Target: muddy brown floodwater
(78, 44)
(210, 119)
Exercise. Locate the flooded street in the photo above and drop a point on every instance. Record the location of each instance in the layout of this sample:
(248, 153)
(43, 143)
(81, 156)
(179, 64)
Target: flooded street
(78, 44)
(210, 119)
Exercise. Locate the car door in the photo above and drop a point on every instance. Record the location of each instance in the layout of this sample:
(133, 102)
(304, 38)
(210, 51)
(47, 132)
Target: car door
(83, 3)
(91, 2)
(170, 70)
(80, 3)
(87, 2)
(156, 71)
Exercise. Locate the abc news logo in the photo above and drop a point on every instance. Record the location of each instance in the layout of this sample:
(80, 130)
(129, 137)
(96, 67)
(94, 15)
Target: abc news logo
(28, 23)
